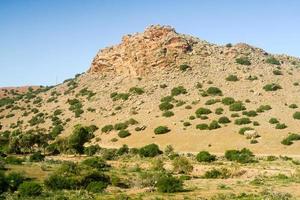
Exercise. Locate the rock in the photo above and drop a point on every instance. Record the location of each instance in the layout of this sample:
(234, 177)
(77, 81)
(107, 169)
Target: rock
(251, 134)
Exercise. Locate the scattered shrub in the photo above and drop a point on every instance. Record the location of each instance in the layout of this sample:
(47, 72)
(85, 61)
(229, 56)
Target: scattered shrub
(120, 126)
(280, 126)
(243, 120)
(150, 150)
(184, 67)
(123, 133)
(204, 156)
(228, 100)
(237, 106)
(251, 113)
(217, 173)
(242, 156)
(202, 111)
(273, 61)
(36, 157)
(165, 106)
(277, 72)
(232, 78)
(168, 114)
(136, 90)
(293, 106)
(224, 120)
(214, 91)
(219, 111)
(96, 187)
(211, 101)
(244, 129)
(107, 128)
(273, 121)
(169, 184)
(202, 126)
(161, 130)
(243, 61)
(182, 165)
(290, 138)
(214, 125)
(30, 189)
(186, 124)
(296, 115)
(263, 108)
(272, 87)
(178, 90)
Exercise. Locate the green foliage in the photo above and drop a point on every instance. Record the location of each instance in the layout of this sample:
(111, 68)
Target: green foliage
(250, 113)
(56, 130)
(165, 106)
(150, 150)
(75, 106)
(14, 180)
(241, 121)
(296, 115)
(205, 156)
(214, 125)
(211, 101)
(222, 173)
(161, 130)
(107, 128)
(91, 150)
(237, 106)
(202, 126)
(263, 108)
(123, 133)
(241, 156)
(120, 126)
(182, 165)
(184, 67)
(169, 184)
(119, 96)
(219, 111)
(272, 87)
(272, 60)
(79, 137)
(13, 160)
(214, 91)
(244, 129)
(273, 121)
(96, 163)
(178, 90)
(168, 113)
(36, 157)
(293, 106)
(96, 187)
(167, 99)
(136, 90)
(224, 120)
(232, 78)
(243, 61)
(30, 189)
(291, 137)
(59, 182)
(186, 124)
(277, 72)
(280, 126)
(228, 100)
(202, 111)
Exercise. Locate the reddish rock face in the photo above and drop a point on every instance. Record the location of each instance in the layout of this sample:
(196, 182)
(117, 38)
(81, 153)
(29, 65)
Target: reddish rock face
(139, 54)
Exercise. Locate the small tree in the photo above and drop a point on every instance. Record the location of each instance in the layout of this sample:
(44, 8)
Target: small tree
(169, 184)
(205, 156)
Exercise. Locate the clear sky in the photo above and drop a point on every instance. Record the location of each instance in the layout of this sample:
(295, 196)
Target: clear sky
(42, 41)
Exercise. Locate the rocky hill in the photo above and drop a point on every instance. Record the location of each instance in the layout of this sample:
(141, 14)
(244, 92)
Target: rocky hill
(199, 95)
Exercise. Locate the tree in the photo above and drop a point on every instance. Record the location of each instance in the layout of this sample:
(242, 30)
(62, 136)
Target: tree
(80, 136)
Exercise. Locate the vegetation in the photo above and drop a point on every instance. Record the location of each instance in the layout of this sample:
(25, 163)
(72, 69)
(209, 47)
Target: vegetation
(243, 61)
(243, 120)
(272, 87)
(241, 156)
(290, 139)
(237, 106)
(272, 60)
(205, 156)
(214, 91)
(161, 130)
(150, 150)
(178, 90)
(232, 78)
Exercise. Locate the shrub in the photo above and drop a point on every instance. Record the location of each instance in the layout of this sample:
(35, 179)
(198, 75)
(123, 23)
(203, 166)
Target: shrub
(161, 130)
(224, 120)
(30, 189)
(202, 126)
(232, 78)
(184, 67)
(136, 90)
(107, 128)
(211, 101)
(228, 100)
(36, 157)
(244, 129)
(78, 138)
(277, 72)
(131, 121)
(14, 180)
(242, 156)
(293, 106)
(272, 87)
(217, 173)
(214, 125)
(168, 114)
(273, 121)
(280, 126)
(169, 184)
(252, 78)
(256, 123)
(123, 133)
(13, 160)
(219, 111)
(167, 99)
(214, 91)
(96, 187)
(289, 140)
(273, 61)
(96, 163)
(150, 150)
(243, 61)
(186, 124)
(91, 150)
(237, 106)
(204, 156)
(165, 106)
(59, 182)
(182, 165)
(243, 120)
(296, 115)
(202, 111)
(120, 126)
(178, 90)
(251, 113)
(263, 108)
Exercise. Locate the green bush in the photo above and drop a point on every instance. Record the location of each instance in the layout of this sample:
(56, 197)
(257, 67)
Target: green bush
(202, 111)
(161, 130)
(228, 100)
(242, 156)
(273, 61)
(273, 121)
(241, 121)
(14, 180)
(30, 189)
(182, 165)
(272, 87)
(211, 101)
(91, 150)
(169, 184)
(263, 108)
(107, 128)
(293, 106)
(237, 106)
(224, 120)
(280, 126)
(36, 157)
(167, 99)
(123, 133)
(96, 163)
(277, 72)
(120, 126)
(168, 114)
(165, 106)
(150, 150)
(219, 111)
(232, 78)
(217, 173)
(250, 113)
(289, 140)
(60, 182)
(296, 115)
(252, 78)
(136, 90)
(202, 126)
(13, 160)
(243, 61)
(205, 156)
(214, 125)
(244, 129)
(186, 124)
(184, 67)
(79, 137)
(214, 91)
(96, 187)
(178, 90)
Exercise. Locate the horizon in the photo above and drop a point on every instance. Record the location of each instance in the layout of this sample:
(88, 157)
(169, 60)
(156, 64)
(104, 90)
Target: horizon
(46, 42)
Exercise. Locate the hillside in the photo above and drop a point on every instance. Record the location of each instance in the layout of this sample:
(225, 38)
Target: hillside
(163, 78)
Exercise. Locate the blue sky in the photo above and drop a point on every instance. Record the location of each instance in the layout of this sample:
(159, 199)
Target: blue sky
(42, 41)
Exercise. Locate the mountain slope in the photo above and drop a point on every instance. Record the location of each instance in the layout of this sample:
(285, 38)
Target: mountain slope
(130, 79)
